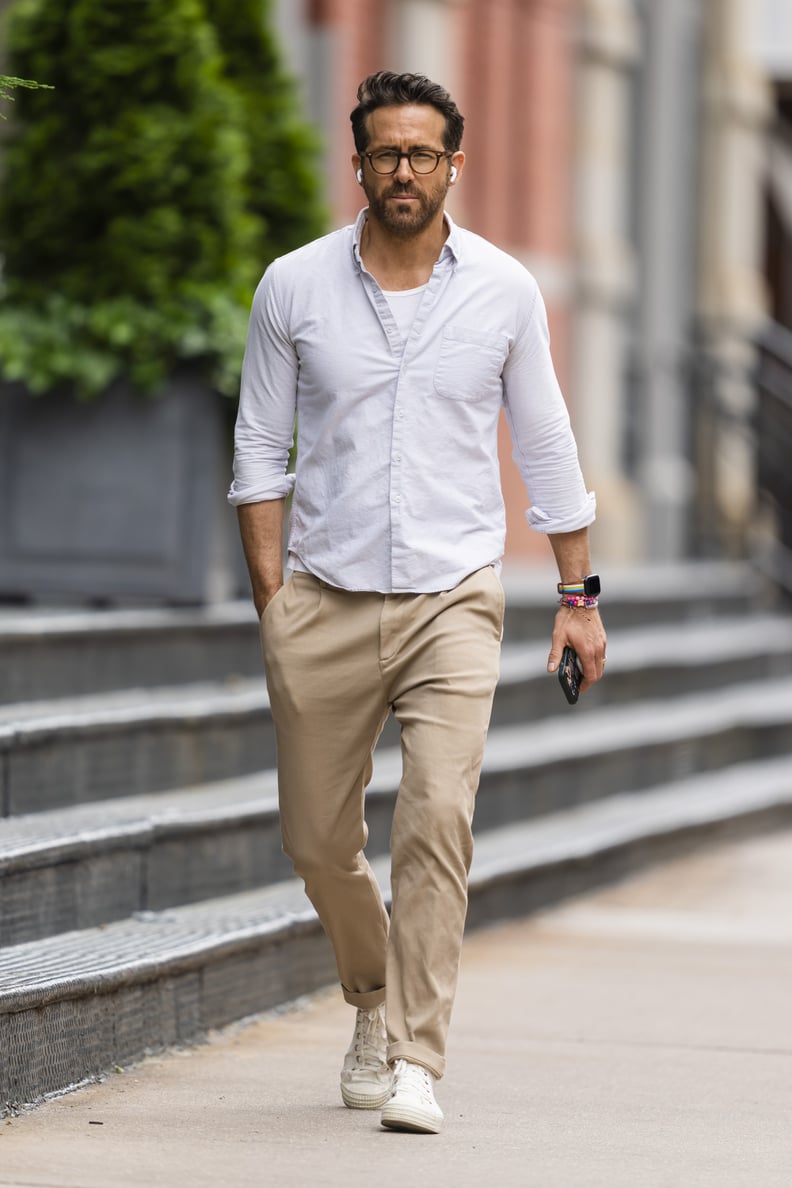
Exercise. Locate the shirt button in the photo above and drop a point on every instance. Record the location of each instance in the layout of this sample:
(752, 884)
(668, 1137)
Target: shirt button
(397, 498)
(397, 457)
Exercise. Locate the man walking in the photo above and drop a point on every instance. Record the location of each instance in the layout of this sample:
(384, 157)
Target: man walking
(395, 342)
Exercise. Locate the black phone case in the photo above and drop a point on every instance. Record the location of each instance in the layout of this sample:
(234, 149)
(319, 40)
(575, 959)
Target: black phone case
(569, 675)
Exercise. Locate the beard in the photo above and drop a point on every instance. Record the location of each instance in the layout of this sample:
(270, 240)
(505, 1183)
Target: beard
(405, 221)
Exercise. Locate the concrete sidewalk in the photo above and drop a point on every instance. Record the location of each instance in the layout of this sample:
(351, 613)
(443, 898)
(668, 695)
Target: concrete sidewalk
(639, 1037)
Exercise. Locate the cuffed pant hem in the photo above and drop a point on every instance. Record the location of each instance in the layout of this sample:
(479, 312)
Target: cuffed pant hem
(418, 1054)
(372, 998)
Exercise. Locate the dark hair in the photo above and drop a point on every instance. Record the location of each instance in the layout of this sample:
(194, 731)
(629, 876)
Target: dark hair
(386, 89)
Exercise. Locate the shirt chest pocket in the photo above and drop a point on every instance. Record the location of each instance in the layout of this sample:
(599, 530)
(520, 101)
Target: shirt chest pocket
(469, 364)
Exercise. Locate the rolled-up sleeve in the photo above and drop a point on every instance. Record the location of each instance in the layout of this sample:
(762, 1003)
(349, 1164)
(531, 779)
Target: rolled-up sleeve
(544, 446)
(267, 402)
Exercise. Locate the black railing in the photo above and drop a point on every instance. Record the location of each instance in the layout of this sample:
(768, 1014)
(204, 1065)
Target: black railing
(741, 415)
(721, 429)
(773, 427)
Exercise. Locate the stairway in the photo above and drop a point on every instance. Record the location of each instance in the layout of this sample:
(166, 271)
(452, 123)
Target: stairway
(144, 898)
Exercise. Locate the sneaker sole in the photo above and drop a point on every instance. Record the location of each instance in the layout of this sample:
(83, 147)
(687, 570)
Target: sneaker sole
(407, 1118)
(355, 1100)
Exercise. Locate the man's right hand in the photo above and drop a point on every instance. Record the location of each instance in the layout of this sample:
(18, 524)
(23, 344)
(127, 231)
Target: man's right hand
(261, 529)
(262, 600)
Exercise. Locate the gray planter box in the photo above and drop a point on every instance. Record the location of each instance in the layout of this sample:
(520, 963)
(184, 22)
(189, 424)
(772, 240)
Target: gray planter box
(120, 500)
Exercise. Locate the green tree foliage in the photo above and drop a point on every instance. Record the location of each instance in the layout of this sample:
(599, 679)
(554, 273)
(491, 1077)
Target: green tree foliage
(282, 185)
(129, 237)
(7, 85)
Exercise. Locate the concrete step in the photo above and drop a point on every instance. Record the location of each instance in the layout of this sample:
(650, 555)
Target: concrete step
(68, 653)
(74, 1006)
(660, 660)
(89, 865)
(74, 653)
(94, 863)
(132, 742)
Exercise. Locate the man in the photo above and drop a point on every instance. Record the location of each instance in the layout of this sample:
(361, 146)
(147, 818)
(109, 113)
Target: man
(396, 342)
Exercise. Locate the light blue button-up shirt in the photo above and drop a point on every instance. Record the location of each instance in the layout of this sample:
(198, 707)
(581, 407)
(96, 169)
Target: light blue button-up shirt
(397, 484)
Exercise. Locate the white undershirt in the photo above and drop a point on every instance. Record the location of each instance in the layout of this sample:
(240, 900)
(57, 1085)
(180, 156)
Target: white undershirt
(404, 306)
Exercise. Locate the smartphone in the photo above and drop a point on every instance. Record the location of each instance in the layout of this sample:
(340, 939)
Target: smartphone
(570, 675)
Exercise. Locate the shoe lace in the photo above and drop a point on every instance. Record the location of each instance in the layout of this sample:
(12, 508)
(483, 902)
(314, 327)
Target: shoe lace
(368, 1040)
(413, 1078)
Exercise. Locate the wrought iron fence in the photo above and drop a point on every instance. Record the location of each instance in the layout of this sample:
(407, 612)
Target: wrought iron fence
(773, 429)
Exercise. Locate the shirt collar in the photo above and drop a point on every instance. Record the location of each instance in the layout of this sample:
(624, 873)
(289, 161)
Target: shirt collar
(451, 248)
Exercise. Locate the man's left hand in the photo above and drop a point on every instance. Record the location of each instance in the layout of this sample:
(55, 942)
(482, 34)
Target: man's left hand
(582, 630)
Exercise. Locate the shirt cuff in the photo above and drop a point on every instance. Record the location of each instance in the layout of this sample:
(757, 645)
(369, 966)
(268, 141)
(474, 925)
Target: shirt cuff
(542, 521)
(260, 492)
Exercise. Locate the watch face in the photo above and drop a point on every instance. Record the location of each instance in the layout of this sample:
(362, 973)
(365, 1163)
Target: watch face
(591, 585)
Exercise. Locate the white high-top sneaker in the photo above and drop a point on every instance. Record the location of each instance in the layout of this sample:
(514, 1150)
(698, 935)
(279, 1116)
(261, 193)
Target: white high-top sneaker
(365, 1077)
(412, 1104)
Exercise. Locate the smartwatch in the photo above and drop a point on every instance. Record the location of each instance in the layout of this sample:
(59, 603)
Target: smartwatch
(592, 586)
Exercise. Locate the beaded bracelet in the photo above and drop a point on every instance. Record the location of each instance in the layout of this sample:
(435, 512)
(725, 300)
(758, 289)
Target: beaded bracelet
(578, 601)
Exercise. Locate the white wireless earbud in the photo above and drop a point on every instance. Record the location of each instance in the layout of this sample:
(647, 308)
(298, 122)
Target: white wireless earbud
(359, 175)
(453, 175)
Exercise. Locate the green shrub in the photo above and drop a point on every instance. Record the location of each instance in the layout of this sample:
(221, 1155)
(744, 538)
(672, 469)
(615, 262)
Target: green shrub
(130, 241)
(282, 183)
(7, 85)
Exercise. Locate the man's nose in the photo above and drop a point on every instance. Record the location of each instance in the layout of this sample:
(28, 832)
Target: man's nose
(404, 172)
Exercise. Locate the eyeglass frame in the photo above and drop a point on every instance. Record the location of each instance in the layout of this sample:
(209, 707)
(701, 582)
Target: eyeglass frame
(392, 152)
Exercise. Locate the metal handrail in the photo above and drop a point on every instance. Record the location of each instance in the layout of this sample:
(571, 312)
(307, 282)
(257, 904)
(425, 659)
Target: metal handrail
(773, 428)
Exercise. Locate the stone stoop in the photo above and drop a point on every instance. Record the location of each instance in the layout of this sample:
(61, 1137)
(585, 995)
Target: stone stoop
(144, 896)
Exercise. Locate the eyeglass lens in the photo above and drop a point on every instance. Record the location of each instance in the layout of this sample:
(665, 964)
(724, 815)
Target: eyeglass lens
(420, 160)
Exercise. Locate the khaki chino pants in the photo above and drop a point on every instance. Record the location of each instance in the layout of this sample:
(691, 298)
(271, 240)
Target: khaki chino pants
(336, 663)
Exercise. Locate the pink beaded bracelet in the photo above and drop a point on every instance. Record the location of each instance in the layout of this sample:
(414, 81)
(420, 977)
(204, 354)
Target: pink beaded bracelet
(578, 601)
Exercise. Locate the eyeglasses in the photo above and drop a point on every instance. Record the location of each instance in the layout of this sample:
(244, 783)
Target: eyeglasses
(419, 160)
